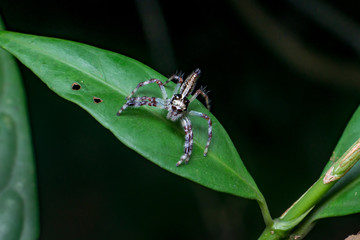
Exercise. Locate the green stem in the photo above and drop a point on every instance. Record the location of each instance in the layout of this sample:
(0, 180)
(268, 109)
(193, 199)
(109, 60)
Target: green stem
(266, 213)
(270, 234)
(344, 164)
(303, 230)
(307, 200)
(296, 213)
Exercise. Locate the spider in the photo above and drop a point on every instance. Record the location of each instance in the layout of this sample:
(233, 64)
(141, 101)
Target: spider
(177, 106)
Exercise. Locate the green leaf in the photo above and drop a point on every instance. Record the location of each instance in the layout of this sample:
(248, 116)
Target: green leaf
(344, 199)
(111, 77)
(18, 192)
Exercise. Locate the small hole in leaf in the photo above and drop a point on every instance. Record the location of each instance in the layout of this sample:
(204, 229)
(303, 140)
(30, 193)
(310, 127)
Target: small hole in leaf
(76, 86)
(97, 100)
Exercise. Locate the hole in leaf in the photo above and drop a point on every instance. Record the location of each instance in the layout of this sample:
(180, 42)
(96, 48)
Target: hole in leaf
(97, 100)
(75, 86)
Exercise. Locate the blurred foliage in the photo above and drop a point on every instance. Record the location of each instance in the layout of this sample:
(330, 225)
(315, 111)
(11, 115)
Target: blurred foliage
(19, 216)
(280, 118)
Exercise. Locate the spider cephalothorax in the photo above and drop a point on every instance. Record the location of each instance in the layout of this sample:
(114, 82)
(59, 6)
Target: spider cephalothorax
(177, 106)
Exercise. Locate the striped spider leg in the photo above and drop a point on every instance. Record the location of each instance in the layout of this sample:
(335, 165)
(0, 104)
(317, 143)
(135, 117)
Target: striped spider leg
(177, 107)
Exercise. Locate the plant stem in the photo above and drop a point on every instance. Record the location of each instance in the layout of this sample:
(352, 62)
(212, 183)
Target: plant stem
(307, 200)
(266, 214)
(295, 214)
(270, 234)
(344, 164)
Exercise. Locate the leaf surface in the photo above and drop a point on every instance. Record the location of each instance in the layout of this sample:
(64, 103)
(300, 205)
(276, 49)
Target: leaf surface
(18, 191)
(111, 77)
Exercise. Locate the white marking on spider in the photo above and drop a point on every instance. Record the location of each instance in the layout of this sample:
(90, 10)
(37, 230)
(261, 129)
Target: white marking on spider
(177, 107)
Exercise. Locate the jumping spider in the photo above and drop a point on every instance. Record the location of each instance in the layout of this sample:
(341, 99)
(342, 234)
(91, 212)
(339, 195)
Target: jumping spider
(177, 106)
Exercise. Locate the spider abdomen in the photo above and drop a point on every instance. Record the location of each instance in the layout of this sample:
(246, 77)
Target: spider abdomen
(190, 83)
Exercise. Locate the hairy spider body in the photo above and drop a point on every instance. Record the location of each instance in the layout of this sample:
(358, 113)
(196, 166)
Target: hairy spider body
(177, 107)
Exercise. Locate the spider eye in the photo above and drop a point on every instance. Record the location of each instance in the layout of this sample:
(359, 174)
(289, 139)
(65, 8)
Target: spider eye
(173, 108)
(177, 96)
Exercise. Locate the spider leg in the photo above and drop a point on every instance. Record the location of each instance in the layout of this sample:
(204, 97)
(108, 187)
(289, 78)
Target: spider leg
(179, 79)
(153, 80)
(206, 117)
(140, 101)
(188, 146)
(203, 93)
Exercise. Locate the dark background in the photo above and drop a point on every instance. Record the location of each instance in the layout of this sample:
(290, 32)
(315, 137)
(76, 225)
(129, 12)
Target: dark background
(284, 81)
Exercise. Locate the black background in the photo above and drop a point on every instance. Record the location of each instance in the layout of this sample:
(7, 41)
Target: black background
(283, 118)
